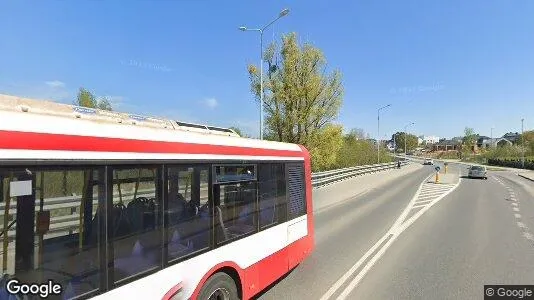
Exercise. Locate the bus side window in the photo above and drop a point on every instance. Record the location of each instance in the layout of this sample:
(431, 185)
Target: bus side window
(272, 202)
(136, 234)
(66, 252)
(187, 214)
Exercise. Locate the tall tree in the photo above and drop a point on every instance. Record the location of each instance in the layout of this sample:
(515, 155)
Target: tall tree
(411, 141)
(300, 97)
(469, 138)
(87, 99)
(104, 104)
(357, 134)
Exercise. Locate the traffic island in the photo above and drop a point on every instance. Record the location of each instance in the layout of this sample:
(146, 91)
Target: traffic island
(445, 179)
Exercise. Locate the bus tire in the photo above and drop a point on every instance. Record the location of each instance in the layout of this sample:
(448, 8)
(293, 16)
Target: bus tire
(219, 284)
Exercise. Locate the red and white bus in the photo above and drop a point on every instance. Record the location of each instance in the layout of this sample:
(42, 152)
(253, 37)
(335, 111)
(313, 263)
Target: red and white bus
(109, 205)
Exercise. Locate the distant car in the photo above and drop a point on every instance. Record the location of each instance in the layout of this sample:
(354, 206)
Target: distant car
(477, 172)
(428, 161)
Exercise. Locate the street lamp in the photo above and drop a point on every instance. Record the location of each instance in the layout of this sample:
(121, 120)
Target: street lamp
(406, 135)
(491, 136)
(378, 136)
(522, 146)
(283, 13)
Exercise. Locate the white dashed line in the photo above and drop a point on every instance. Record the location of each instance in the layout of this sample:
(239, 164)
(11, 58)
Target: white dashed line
(525, 230)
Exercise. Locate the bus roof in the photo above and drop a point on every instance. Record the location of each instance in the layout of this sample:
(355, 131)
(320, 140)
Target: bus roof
(44, 107)
(51, 118)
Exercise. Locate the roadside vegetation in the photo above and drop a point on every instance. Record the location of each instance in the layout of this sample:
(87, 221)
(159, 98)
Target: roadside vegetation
(505, 155)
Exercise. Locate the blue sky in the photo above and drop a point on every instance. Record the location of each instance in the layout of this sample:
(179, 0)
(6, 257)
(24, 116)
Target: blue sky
(443, 65)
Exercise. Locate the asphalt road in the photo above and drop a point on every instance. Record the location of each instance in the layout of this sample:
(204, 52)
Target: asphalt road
(480, 233)
(343, 233)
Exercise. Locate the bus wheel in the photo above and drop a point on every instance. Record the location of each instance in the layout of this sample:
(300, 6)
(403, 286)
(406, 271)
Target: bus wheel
(220, 286)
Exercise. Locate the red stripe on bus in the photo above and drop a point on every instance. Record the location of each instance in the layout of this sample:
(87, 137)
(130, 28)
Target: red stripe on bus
(45, 141)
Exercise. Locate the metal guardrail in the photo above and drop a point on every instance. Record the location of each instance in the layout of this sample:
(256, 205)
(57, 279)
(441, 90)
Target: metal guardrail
(69, 223)
(321, 179)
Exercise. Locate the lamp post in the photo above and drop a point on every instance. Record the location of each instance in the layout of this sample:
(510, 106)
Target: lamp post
(282, 14)
(522, 146)
(406, 135)
(378, 136)
(491, 137)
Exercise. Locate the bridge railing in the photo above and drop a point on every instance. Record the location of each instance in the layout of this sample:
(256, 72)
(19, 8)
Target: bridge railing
(59, 225)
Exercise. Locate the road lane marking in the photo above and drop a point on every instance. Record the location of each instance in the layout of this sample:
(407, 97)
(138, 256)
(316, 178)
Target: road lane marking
(395, 231)
(423, 202)
(514, 203)
(521, 225)
(517, 216)
(528, 236)
(515, 209)
(419, 206)
(369, 252)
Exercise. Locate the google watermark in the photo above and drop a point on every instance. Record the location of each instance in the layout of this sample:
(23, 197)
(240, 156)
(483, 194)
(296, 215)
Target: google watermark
(43, 290)
(508, 291)
(418, 89)
(145, 65)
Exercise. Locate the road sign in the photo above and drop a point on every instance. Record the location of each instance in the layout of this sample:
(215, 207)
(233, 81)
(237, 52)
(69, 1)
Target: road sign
(437, 168)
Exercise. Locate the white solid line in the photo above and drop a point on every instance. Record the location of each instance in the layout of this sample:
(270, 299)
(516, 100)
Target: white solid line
(419, 205)
(428, 197)
(435, 188)
(355, 267)
(514, 203)
(424, 201)
(515, 208)
(397, 231)
(517, 216)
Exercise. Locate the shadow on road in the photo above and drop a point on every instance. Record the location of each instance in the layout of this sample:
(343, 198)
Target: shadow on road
(471, 178)
(273, 284)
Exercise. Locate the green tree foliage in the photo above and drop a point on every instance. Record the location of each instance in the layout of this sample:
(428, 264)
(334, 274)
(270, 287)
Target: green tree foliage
(324, 145)
(300, 98)
(87, 99)
(469, 138)
(357, 134)
(356, 151)
(237, 130)
(411, 141)
(527, 140)
(104, 104)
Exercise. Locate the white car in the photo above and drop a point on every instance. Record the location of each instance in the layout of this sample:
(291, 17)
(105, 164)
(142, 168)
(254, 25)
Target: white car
(428, 161)
(477, 172)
